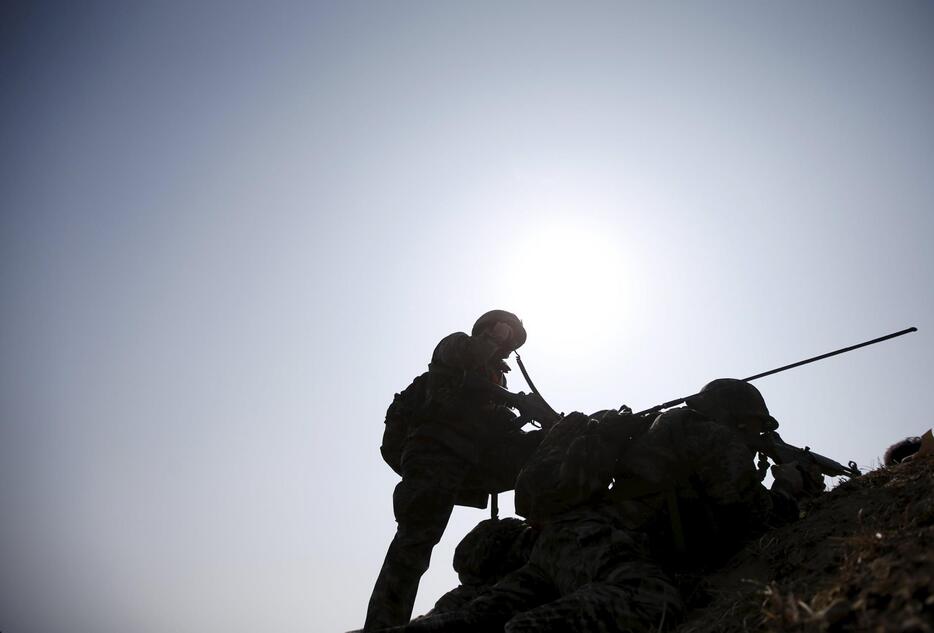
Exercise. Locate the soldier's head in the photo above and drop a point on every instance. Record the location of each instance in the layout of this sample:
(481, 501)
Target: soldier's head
(734, 402)
(487, 322)
(896, 453)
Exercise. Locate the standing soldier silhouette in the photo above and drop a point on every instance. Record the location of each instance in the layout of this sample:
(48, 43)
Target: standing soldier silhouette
(456, 447)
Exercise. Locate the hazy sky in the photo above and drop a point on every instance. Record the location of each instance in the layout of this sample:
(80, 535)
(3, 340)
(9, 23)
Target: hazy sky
(230, 232)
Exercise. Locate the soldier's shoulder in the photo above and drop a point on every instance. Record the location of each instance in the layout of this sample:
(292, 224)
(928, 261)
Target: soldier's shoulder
(450, 342)
(675, 416)
(454, 336)
(680, 421)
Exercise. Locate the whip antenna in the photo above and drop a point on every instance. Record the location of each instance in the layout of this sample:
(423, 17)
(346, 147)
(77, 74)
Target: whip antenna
(676, 402)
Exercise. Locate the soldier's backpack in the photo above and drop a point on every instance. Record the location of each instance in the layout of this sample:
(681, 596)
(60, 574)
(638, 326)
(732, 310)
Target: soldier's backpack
(402, 417)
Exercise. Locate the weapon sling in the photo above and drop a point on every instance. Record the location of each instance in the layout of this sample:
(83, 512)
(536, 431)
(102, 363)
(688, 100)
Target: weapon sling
(531, 385)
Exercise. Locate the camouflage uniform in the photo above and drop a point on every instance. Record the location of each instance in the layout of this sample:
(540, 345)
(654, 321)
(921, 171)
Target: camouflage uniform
(462, 451)
(586, 572)
(598, 562)
(685, 493)
(494, 548)
(691, 484)
(598, 573)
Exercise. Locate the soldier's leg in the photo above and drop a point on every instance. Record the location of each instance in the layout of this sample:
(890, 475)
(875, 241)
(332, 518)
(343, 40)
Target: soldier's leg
(422, 503)
(518, 591)
(522, 589)
(608, 580)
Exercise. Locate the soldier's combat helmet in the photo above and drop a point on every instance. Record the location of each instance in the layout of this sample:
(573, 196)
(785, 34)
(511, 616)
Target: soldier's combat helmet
(492, 549)
(734, 399)
(492, 317)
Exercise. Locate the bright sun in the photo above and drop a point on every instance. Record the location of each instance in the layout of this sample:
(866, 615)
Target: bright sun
(568, 283)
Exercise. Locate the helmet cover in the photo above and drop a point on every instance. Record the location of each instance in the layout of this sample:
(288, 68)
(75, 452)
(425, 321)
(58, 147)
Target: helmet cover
(732, 398)
(491, 318)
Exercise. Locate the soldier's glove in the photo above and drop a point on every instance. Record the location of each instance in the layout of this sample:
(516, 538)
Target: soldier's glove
(788, 480)
(797, 480)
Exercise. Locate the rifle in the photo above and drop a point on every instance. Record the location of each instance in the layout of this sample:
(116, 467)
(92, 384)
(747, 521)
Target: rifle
(532, 407)
(770, 443)
(788, 453)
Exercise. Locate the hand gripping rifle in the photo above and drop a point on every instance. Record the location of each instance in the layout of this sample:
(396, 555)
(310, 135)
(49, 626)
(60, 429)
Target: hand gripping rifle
(771, 442)
(532, 407)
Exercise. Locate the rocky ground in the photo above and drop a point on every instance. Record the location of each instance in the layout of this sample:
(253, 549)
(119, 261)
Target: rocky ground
(861, 559)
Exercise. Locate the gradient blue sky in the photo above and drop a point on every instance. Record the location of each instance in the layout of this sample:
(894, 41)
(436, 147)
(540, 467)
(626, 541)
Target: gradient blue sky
(231, 231)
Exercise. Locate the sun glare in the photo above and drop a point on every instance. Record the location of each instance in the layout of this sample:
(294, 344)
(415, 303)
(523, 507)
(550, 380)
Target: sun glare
(568, 284)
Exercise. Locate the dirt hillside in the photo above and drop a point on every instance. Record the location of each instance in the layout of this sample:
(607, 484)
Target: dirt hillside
(861, 559)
